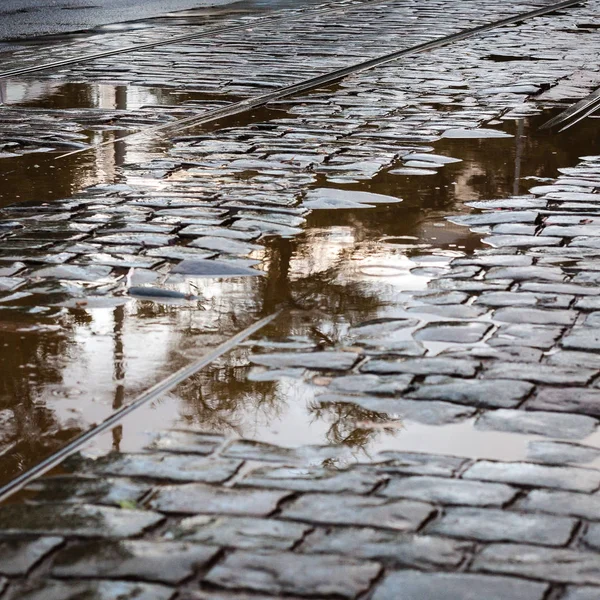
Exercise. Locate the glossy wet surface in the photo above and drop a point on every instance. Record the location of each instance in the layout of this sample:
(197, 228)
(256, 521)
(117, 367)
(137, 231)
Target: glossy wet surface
(73, 268)
(68, 364)
(421, 417)
(82, 338)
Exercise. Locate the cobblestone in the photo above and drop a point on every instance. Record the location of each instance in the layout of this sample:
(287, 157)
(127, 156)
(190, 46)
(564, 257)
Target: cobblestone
(303, 479)
(82, 520)
(417, 551)
(561, 453)
(592, 536)
(357, 510)
(178, 467)
(582, 593)
(562, 566)
(19, 556)
(561, 503)
(566, 399)
(414, 585)
(166, 562)
(449, 491)
(244, 533)
(493, 525)
(292, 573)
(100, 590)
(500, 393)
(89, 490)
(555, 425)
(567, 478)
(200, 498)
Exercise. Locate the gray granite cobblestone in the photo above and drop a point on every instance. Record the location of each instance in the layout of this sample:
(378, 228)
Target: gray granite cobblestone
(581, 593)
(281, 573)
(449, 491)
(164, 562)
(550, 424)
(83, 520)
(546, 564)
(566, 399)
(18, 556)
(495, 525)
(534, 475)
(413, 463)
(96, 589)
(562, 503)
(400, 515)
(500, 393)
(415, 585)
(311, 479)
(241, 532)
(194, 498)
(178, 467)
(398, 549)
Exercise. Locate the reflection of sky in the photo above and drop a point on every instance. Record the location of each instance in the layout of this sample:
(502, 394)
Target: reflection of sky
(158, 340)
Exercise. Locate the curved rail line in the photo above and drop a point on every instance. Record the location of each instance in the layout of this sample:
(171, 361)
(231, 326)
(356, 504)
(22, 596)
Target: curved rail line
(156, 391)
(327, 78)
(258, 22)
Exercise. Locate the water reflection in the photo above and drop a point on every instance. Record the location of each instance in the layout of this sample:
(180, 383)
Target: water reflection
(64, 369)
(44, 113)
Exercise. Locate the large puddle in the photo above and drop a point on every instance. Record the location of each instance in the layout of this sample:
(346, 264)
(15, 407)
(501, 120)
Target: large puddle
(64, 370)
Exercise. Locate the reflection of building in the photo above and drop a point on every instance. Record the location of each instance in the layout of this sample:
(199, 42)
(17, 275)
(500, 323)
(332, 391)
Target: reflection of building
(20, 92)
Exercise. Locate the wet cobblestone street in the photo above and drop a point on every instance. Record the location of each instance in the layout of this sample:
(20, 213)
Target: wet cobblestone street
(419, 419)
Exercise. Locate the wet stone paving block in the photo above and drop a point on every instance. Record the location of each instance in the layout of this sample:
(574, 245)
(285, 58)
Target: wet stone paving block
(413, 585)
(320, 576)
(303, 479)
(82, 520)
(555, 425)
(106, 490)
(165, 562)
(19, 556)
(560, 565)
(401, 549)
(502, 525)
(449, 491)
(199, 498)
(241, 532)
(178, 467)
(356, 510)
(527, 474)
(98, 590)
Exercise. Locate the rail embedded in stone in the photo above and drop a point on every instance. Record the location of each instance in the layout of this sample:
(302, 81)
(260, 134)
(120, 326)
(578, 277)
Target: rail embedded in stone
(575, 113)
(156, 391)
(327, 78)
(257, 22)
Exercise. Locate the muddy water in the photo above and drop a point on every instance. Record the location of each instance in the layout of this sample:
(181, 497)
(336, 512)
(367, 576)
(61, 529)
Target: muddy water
(42, 174)
(66, 369)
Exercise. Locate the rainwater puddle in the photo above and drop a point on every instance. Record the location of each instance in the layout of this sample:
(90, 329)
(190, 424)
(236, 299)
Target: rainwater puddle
(348, 267)
(66, 367)
(48, 94)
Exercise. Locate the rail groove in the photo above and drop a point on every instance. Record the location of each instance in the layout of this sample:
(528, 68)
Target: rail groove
(157, 390)
(327, 78)
(258, 22)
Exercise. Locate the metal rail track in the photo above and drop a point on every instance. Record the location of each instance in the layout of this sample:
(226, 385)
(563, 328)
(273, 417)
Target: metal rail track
(156, 391)
(327, 78)
(258, 22)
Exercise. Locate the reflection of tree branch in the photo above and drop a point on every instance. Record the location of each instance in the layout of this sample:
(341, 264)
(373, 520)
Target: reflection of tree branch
(33, 363)
(222, 392)
(344, 417)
